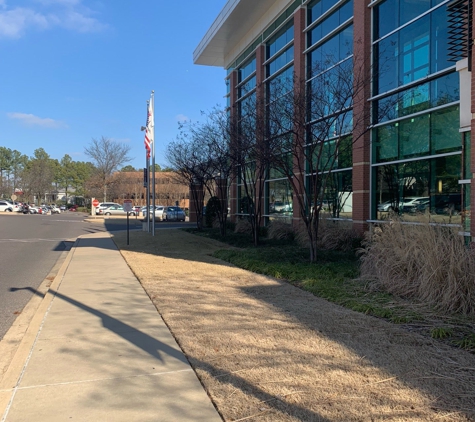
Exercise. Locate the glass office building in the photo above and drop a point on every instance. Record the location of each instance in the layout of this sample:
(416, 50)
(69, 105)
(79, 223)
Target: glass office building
(415, 157)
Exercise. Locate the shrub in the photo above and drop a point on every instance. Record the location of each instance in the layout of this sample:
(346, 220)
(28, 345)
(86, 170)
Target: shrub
(335, 236)
(280, 230)
(243, 226)
(332, 235)
(213, 206)
(427, 262)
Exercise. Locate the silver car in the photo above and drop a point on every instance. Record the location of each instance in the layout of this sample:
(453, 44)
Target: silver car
(173, 214)
(115, 210)
(158, 214)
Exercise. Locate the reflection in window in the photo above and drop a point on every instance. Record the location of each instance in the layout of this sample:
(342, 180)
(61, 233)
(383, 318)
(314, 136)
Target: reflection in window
(246, 70)
(279, 198)
(440, 91)
(391, 14)
(413, 52)
(280, 61)
(414, 136)
(432, 133)
(280, 40)
(420, 187)
(336, 197)
(337, 48)
(445, 134)
(329, 24)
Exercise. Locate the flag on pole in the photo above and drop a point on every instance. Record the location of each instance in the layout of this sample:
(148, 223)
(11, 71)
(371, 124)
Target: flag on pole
(149, 129)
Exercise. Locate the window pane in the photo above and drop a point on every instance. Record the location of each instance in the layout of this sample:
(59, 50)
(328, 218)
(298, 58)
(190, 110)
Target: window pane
(445, 130)
(386, 141)
(279, 198)
(445, 89)
(439, 40)
(419, 187)
(410, 9)
(414, 136)
(414, 41)
(386, 18)
(386, 53)
(338, 196)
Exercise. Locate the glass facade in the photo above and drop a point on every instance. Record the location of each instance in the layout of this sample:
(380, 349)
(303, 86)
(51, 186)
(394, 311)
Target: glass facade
(419, 159)
(279, 87)
(416, 144)
(330, 89)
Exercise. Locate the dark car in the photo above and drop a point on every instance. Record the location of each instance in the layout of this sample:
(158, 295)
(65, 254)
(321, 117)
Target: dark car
(173, 214)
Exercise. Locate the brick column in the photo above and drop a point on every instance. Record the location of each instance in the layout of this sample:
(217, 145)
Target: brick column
(195, 189)
(222, 191)
(299, 87)
(361, 111)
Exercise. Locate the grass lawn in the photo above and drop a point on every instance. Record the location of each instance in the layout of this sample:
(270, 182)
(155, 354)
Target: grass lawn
(335, 277)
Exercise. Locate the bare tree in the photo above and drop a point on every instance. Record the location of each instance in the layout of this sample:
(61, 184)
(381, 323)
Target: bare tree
(214, 137)
(108, 156)
(251, 157)
(191, 163)
(311, 132)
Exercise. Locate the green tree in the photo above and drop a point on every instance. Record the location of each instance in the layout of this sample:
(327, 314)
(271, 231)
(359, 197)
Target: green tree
(128, 168)
(39, 174)
(67, 173)
(5, 167)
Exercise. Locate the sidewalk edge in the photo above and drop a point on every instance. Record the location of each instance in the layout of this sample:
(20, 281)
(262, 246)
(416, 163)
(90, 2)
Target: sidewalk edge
(19, 361)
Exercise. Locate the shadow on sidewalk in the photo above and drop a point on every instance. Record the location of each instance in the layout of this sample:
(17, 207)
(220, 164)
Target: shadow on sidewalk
(443, 374)
(155, 347)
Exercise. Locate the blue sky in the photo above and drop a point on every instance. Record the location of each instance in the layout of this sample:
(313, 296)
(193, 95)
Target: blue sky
(74, 70)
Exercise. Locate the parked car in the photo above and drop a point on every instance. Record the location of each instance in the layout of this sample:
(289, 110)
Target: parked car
(115, 210)
(63, 207)
(173, 214)
(104, 205)
(55, 209)
(408, 204)
(8, 206)
(158, 213)
(279, 206)
(73, 208)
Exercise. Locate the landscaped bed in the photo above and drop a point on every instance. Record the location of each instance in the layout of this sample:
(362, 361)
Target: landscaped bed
(267, 350)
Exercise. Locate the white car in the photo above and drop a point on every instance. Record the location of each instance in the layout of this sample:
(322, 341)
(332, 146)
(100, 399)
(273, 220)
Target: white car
(103, 205)
(158, 214)
(7, 206)
(55, 209)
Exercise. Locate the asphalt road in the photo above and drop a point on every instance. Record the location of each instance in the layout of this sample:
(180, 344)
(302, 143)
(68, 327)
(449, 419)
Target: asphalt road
(30, 245)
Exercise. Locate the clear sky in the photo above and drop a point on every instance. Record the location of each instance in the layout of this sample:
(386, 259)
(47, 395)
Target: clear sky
(74, 70)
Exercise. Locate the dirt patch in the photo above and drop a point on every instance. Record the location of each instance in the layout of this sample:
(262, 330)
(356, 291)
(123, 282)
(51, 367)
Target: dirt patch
(267, 351)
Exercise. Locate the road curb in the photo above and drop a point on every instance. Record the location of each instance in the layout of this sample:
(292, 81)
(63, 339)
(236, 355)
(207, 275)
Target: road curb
(14, 372)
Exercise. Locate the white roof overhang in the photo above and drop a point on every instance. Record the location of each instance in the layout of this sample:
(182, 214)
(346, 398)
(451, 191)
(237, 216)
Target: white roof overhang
(233, 24)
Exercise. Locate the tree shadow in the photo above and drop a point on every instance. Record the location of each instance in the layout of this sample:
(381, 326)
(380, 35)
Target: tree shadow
(156, 348)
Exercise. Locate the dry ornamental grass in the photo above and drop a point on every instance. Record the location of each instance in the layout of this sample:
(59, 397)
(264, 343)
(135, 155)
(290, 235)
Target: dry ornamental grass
(265, 350)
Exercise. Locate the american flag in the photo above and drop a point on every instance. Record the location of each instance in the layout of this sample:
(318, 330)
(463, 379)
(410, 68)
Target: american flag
(148, 129)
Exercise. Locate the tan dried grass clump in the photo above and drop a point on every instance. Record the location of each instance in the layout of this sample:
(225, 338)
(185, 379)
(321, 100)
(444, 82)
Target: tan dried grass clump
(279, 229)
(332, 235)
(243, 226)
(426, 262)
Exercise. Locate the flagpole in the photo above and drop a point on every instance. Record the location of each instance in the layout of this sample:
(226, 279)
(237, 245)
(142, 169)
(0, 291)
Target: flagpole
(152, 99)
(147, 170)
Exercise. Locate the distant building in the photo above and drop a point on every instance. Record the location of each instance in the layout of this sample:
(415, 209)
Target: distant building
(168, 189)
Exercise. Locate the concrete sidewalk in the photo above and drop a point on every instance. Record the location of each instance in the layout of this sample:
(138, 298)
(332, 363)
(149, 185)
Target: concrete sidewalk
(97, 350)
